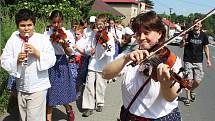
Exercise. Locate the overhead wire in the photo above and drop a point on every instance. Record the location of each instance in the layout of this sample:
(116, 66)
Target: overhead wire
(201, 7)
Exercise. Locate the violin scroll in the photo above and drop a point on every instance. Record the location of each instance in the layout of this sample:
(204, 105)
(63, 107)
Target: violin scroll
(181, 80)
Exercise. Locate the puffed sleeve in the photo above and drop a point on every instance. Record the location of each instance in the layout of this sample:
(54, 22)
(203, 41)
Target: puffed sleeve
(9, 57)
(47, 55)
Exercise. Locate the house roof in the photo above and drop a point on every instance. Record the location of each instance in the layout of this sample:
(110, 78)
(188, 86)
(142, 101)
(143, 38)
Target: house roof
(101, 6)
(120, 1)
(168, 23)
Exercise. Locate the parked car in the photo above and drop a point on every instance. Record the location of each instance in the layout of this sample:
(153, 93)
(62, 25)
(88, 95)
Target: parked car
(178, 38)
(211, 40)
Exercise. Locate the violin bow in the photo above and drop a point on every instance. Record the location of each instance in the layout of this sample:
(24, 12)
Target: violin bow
(161, 45)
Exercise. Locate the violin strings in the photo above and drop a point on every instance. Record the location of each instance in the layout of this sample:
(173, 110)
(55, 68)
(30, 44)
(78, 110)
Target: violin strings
(155, 61)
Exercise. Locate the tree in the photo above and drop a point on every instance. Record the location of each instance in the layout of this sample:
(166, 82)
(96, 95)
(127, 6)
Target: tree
(71, 8)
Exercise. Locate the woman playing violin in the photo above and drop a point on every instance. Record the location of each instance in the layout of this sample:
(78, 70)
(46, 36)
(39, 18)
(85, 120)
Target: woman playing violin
(157, 101)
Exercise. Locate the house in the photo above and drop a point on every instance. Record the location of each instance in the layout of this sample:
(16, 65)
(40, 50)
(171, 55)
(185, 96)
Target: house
(170, 27)
(129, 8)
(144, 7)
(101, 6)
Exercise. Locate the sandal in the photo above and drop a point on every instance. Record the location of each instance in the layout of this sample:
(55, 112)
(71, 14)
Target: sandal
(71, 114)
(192, 96)
(187, 102)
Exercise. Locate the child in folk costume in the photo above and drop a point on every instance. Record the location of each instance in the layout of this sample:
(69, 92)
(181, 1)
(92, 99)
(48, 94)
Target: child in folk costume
(117, 35)
(77, 64)
(62, 90)
(28, 56)
(102, 50)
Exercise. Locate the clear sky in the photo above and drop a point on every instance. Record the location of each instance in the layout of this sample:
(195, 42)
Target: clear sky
(183, 7)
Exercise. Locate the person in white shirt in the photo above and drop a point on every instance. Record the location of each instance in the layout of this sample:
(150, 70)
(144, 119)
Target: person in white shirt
(71, 31)
(101, 49)
(28, 56)
(156, 101)
(117, 35)
(78, 62)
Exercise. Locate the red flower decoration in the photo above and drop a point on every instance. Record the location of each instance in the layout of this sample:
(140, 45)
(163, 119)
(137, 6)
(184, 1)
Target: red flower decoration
(59, 36)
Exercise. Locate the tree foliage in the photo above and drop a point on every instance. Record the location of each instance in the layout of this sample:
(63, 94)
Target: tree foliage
(71, 8)
(186, 21)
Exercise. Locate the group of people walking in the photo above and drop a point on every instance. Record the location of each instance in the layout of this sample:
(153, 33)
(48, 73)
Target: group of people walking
(50, 68)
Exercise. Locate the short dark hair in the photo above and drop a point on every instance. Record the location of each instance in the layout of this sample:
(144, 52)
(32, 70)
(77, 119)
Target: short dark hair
(24, 15)
(196, 18)
(149, 21)
(56, 13)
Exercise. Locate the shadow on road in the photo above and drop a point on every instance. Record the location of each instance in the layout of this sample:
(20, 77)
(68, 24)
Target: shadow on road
(12, 109)
(58, 115)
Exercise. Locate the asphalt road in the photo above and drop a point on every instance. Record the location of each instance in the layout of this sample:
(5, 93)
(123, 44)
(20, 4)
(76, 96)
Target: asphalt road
(203, 109)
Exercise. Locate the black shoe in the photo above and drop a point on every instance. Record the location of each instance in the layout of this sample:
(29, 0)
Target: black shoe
(99, 108)
(113, 79)
(192, 96)
(87, 113)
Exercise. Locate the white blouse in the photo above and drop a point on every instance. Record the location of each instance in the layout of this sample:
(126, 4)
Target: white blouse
(150, 103)
(33, 77)
(82, 43)
(101, 57)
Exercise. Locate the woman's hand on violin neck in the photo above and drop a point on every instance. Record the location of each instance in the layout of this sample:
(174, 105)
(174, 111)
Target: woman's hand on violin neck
(163, 74)
(138, 55)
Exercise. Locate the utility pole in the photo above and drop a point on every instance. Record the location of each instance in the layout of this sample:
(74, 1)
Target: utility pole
(170, 12)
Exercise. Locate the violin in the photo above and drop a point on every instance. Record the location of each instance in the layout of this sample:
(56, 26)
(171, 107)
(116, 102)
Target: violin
(102, 38)
(59, 36)
(164, 55)
(169, 58)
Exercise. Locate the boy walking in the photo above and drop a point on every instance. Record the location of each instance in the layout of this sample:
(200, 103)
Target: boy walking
(28, 56)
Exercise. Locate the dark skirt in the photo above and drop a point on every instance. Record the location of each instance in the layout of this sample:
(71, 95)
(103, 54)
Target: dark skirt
(83, 70)
(175, 115)
(63, 90)
(79, 70)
